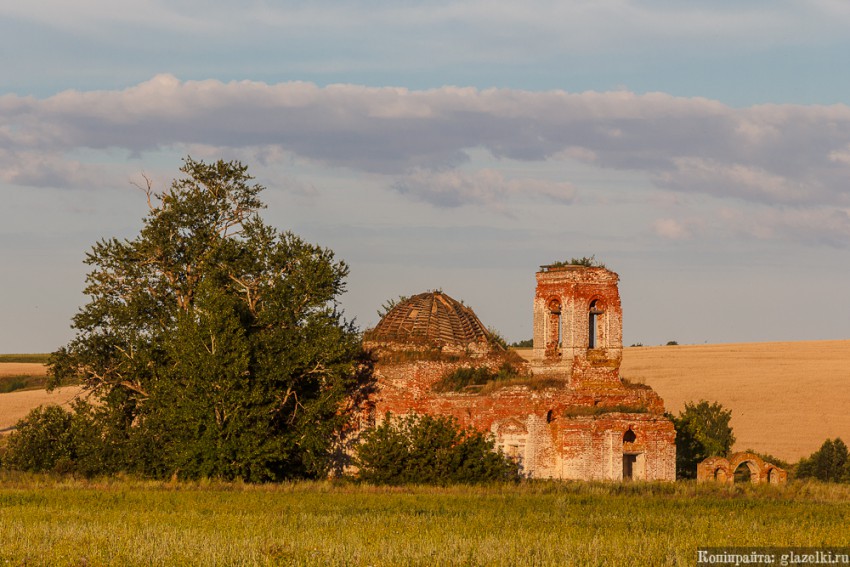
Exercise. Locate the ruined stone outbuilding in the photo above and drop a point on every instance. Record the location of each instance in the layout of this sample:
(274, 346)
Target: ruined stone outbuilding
(722, 469)
(563, 413)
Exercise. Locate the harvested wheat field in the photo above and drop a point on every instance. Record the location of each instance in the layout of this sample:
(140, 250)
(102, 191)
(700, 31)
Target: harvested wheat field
(15, 405)
(786, 398)
(22, 369)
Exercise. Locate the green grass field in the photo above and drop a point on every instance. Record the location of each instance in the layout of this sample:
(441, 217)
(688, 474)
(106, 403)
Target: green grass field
(45, 521)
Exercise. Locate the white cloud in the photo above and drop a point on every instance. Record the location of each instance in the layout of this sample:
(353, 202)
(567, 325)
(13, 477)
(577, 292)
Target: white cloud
(745, 182)
(36, 169)
(485, 187)
(771, 155)
(841, 155)
(671, 229)
(818, 226)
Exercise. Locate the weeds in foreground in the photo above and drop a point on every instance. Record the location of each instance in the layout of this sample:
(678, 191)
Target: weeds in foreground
(47, 520)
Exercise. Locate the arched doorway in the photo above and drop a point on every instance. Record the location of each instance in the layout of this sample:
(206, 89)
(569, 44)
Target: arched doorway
(746, 471)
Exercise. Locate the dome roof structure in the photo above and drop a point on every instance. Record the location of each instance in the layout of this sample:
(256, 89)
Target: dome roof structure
(433, 318)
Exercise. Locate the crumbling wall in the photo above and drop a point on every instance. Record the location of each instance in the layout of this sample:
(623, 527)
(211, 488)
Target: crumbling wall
(722, 469)
(554, 432)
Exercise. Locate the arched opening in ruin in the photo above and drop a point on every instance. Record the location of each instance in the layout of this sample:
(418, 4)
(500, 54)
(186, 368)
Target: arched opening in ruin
(720, 474)
(746, 471)
(633, 462)
(555, 331)
(593, 323)
(773, 476)
(549, 416)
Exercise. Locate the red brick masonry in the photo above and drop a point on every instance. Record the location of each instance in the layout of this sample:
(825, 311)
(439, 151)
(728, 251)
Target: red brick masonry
(570, 415)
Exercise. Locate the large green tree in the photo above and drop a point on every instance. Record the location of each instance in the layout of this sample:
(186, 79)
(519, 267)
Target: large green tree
(702, 430)
(214, 344)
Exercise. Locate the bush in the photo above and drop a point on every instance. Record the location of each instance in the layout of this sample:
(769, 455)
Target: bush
(702, 430)
(431, 450)
(53, 439)
(830, 463)
(43, 441)
(586, 261)
(12, 384)
(496, 338)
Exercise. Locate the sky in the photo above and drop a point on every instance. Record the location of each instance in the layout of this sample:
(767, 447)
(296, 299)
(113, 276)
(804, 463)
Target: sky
(699, 149)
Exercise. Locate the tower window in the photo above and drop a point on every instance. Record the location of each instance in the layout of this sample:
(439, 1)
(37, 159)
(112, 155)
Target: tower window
(555, 338)
(593, 324)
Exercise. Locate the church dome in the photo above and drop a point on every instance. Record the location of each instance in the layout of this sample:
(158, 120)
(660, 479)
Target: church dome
(432, 318)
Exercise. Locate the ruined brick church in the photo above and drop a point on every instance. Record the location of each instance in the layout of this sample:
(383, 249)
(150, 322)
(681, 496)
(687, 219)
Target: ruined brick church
(563, 412)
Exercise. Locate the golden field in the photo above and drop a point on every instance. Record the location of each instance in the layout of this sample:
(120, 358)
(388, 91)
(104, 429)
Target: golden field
(22, 369)
(786, 398)
(15, 405)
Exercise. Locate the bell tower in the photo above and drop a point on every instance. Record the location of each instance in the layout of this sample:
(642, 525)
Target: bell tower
(578, 324)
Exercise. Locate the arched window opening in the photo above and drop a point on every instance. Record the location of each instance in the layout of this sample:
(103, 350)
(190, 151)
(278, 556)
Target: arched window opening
(629, 436)
(746, 472)
(593, 324)
(549, 416)
(555, 333)
(773, 476)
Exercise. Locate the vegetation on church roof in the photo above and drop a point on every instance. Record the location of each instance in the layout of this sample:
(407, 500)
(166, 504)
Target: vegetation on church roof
(466, 377)
(586, 261)
(478, 378)
(592, 411)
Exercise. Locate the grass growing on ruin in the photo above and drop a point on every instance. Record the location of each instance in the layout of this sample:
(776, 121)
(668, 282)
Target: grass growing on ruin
(580, 411)
(47, 521)
(476, 377)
